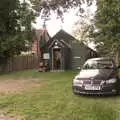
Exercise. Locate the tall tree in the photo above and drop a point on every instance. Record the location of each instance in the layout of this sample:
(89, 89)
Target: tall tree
(107, 26)
(15, 21)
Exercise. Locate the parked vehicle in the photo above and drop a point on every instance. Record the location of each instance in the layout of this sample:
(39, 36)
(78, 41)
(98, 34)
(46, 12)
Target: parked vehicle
(97, 76)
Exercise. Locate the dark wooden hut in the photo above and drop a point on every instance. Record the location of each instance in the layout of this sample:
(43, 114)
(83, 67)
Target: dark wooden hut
(65, 52)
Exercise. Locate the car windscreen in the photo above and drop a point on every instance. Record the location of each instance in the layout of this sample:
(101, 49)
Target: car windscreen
(98, 64)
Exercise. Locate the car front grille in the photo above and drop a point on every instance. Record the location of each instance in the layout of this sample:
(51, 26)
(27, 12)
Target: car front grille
(92, 82)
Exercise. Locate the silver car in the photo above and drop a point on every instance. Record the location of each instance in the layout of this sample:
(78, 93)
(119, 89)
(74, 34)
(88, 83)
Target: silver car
(97, 76)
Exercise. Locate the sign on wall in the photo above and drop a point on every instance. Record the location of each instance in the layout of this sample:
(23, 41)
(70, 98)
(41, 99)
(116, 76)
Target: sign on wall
(46, 56)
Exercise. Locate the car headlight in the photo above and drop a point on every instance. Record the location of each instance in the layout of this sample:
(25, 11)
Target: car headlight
(112, 80)
(77, 82)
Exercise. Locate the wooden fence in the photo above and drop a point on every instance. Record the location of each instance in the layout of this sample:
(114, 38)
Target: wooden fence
(19, 63)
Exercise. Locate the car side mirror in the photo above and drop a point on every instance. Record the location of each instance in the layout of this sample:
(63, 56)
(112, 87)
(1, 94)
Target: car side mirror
(118, 67)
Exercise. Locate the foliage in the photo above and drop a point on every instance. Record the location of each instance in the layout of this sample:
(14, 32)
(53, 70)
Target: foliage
(59, 7)
(52, 99)
(81, 31)
(85, 24)
(107, 26)
(15, 29)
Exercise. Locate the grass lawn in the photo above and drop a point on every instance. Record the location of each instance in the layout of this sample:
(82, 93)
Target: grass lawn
(53, 99)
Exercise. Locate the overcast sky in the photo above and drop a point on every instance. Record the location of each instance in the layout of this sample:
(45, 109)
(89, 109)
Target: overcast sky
(54, 25)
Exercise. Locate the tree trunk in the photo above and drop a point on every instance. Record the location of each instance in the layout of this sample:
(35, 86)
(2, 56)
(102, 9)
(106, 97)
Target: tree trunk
(118, 61)
(118, 58)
